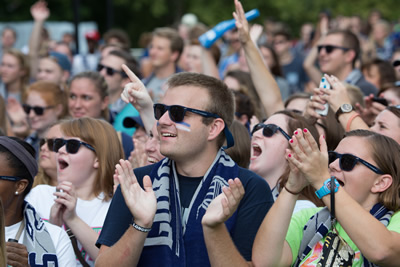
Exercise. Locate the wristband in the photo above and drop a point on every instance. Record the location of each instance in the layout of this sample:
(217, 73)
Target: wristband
(351, 120)
(141, 228)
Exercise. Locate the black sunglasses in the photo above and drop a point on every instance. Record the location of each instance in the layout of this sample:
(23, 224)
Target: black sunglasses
(177, 114)
(396, 63)
(38, 110)
(269, 130)
(49, 142)
(348, 161)
(72, 145)
(10, 178)
(110, 71)
(329, 48)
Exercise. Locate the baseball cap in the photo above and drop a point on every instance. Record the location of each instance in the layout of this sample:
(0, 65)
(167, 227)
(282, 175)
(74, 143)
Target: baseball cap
(62, 60)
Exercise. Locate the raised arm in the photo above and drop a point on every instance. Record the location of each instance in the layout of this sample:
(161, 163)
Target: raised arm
(142, 204)
(40, 13)
(136, 93)
(209, 66)
(264, 82)
(270, 247)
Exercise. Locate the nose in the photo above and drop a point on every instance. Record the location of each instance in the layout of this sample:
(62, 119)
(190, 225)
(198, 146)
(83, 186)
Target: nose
(165, 119)
(335, 166)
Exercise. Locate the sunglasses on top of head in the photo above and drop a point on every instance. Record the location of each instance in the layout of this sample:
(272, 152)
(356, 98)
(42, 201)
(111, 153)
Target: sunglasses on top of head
(49, 142)
(269, 130)
(110, 71)
(38, 110)
(329, 48)
(72, 145)
(348, 161)
(177, 114)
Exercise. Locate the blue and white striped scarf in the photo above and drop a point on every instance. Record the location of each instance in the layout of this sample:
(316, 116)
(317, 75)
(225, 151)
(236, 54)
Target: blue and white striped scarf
(37, 240)
(320, 224)
(177, 238)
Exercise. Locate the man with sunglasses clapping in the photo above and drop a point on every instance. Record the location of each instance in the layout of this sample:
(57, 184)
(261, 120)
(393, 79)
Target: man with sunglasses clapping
(163, 224)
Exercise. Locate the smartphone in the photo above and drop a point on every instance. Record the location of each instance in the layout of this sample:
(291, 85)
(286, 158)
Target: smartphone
(326, 85)
(381, 100)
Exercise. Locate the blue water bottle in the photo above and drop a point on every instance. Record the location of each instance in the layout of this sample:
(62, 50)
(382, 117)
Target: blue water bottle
(209, 37)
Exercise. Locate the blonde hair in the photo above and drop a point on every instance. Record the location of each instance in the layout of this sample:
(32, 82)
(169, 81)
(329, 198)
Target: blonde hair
(104, 139)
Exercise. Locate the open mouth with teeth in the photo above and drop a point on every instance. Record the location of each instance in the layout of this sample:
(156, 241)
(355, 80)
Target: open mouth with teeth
(168, 135)
(62, 164)
(151, 160)
(256, 150)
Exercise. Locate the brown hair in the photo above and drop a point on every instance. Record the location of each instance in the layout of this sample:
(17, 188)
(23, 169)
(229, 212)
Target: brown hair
(221, 99)
(386, 153)
(173, 36)
(240, 152)
(387, 74)
(104, 139)
(23, 61)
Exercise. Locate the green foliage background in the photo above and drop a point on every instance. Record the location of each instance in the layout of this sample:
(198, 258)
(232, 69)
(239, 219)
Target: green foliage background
(137, 16)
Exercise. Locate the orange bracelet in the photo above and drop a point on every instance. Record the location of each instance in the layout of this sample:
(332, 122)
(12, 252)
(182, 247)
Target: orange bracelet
(351, 120)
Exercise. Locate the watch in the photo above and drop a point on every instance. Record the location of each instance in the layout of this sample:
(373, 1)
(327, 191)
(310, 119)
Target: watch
(344, 108)
(326, 188)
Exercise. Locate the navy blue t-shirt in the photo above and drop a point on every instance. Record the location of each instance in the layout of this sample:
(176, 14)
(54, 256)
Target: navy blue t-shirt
(250, 214)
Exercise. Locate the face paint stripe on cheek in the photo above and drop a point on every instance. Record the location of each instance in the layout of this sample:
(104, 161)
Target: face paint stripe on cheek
(183, 126)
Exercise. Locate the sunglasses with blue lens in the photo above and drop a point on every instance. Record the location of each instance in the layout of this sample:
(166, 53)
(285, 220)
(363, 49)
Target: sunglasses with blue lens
(348, 161)
(269, 130)
(72, 145)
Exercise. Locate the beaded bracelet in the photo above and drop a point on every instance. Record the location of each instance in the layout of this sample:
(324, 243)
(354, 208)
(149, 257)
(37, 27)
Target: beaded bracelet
(141, 228)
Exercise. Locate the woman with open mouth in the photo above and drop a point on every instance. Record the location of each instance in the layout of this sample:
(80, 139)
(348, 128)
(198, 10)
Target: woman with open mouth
(86, 158)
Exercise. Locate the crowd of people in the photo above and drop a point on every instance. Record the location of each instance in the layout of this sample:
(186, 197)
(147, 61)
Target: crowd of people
(260, 150)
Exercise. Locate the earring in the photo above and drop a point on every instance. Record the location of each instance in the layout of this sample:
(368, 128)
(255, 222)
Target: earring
(16, 193)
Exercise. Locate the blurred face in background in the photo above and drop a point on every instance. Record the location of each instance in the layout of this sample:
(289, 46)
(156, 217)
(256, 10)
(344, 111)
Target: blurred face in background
(85, 99)
(10, 69)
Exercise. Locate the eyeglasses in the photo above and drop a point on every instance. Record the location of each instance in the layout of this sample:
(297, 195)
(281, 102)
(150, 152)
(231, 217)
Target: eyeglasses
(50, 143)
(10, 178)
(348, 161)
(329, 48)
(396, 63)
(110, 71)
(177, 114)
(38, 110)
(269, 130)
(72, 145)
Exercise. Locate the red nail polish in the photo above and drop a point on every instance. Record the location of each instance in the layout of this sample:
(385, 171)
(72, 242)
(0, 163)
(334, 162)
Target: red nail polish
(305, 130)
(295, 132)
(323, 136)
(291, 141)
(290, 155)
